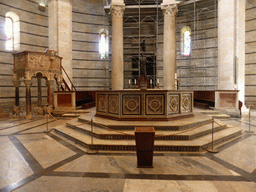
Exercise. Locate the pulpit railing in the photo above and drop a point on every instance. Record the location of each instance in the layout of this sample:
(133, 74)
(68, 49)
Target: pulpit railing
(66, 86)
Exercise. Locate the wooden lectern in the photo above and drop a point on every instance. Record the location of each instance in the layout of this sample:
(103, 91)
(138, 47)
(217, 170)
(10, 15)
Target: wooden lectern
(144, 137)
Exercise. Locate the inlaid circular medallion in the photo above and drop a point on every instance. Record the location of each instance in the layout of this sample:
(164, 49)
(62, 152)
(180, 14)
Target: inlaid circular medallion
(173, 104)
(132, 105)
(155, 105)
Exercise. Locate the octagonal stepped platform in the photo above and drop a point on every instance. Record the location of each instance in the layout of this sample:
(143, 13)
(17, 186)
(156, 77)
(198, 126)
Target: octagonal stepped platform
(190, 134)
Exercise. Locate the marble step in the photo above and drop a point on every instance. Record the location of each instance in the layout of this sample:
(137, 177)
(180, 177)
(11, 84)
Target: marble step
(175, 125)
(103, 133)
(219, 116)
(195, 145)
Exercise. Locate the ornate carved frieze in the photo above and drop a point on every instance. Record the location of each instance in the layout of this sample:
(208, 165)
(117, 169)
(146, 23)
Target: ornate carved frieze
(131, 104)
(36, 61)
(102, 103)
(186, 103)
(174, 104)
(113, 104)
(170, 9)
(19, 62)
(117, 10)
(155, 104)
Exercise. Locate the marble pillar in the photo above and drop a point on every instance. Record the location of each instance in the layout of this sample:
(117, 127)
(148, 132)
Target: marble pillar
(50, 92)
(169, 47)
(231, 46)
(60, 32)
(117, 74)
(39, 91)
(16, 83)
(28, 84)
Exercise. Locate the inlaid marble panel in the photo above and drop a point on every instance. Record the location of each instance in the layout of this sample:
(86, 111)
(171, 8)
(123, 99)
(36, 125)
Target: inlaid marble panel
(113, 104)
(186, 104)
(174, 102)
(155, 104)
(102, 103)
(131, 104)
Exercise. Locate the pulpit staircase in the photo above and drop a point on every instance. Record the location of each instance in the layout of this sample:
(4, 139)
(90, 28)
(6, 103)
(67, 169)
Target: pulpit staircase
(83, 98)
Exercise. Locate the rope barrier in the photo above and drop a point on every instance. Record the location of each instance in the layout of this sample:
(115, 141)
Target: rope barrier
(180, 132)
(233, 126)
(185, 130)
(113, 129)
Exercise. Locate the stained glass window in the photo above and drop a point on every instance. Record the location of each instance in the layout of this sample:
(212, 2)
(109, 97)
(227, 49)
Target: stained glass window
(103, 45)
(186, 41)
(12, 31)
(186, 51)
(9, 36)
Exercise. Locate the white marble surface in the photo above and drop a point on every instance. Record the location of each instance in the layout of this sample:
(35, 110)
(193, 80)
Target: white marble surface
(13, 167)
(46, 150)
(242, 155)
(132, 185)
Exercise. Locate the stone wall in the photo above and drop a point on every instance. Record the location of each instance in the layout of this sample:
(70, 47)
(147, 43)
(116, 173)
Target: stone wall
(33, 37)
(199, 70)
(250, 53)
(89, 71)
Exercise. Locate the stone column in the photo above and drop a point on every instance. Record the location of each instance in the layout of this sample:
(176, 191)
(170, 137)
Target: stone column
(60, 32)
(117, 74)
(169, 47)
(28, 84)
(39, 91)
(50, 92)
(16, 83)
(231, 46)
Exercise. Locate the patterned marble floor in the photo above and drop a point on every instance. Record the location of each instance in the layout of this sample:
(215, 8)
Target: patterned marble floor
(32, 159)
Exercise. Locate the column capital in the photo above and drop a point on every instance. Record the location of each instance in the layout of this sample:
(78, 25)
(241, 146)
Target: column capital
(28, 82)
(169, 9)
(49, 82)
(117, 10)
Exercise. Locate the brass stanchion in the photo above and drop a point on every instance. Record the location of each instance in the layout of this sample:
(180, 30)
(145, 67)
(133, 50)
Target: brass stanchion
(212, 150)
(249, 131)
(91, 151)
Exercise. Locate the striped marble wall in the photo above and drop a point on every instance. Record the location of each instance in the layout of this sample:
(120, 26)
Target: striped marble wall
(250, 53)
(33, 37)
(89, 71)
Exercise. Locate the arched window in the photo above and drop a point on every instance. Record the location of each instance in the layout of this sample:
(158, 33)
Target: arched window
(186, 41)
(103, 44)
(12, 31)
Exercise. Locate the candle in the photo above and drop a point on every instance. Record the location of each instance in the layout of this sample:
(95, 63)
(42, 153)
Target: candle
(129, 81)
(150, 81)
(134, 81)
(157, 81)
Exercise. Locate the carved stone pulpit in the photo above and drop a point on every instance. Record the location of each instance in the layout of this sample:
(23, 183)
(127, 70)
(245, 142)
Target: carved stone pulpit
(28, 64)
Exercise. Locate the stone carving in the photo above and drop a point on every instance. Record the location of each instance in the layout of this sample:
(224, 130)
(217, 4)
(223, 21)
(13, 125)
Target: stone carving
(117, 10)
(17, 111)
(113, 104)
(102, 103)
(170, 10)
(155, 104)
(38, 61)
(131, 104)
(174, 103)
(186, 102)
(20, 62)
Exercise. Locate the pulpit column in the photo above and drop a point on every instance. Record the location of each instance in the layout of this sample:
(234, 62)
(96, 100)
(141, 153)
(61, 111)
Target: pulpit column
(28, 84)
(169, 47)
(39, 91)
(16, 83)
(50, 92)
(117, 75)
